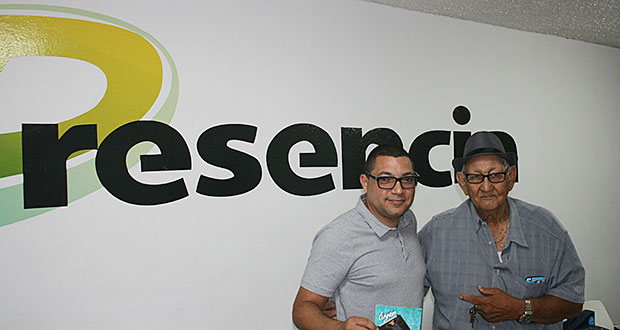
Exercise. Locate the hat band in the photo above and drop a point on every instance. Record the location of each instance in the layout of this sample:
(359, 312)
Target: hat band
(484, 150)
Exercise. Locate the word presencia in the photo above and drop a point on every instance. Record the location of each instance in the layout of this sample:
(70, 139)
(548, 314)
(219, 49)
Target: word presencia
(44, 157)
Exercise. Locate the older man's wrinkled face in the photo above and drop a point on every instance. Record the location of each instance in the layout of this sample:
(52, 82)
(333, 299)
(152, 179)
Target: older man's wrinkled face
(388, 205)
(487, 196)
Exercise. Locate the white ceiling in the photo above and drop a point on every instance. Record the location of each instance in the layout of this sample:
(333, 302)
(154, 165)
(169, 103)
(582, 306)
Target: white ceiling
(593, 21)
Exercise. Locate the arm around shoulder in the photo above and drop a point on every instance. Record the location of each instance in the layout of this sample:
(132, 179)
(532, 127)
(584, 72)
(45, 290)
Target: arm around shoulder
(308, 315)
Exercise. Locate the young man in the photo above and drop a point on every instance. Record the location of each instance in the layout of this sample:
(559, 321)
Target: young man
(368, 256)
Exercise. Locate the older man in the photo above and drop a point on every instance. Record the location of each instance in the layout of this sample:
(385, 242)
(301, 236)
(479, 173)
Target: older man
(368, 256)
(496, 262)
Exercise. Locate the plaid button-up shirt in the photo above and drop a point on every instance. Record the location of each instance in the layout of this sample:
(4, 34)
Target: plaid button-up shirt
(538, 259)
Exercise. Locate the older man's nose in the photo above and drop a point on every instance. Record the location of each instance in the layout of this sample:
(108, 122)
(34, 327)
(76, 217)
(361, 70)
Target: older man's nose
(486, 184)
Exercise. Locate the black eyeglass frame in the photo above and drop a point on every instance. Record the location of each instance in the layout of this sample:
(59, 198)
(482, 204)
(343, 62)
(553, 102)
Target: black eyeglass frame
(486, 176)
(415, 177)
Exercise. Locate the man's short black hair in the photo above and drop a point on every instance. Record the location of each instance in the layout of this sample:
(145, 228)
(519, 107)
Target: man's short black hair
(384, 150)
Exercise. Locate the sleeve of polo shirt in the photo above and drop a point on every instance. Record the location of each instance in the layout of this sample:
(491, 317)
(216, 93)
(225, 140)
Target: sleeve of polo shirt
(568, 274)
(329, 262)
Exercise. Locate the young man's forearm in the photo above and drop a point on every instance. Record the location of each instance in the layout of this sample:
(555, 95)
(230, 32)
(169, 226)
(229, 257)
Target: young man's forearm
(308, 316)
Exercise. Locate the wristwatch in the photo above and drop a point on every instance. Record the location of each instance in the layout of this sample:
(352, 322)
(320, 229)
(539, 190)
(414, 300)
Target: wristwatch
(527, 315)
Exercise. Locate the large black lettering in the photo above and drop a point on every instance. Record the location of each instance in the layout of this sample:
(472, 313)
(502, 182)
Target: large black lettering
(354, 147)
(459, 146)
(420, 151)
(114, 175)
(324, 156)
(44, 159)
(212, 149)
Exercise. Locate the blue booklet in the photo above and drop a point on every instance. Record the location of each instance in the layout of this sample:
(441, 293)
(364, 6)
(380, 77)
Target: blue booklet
(398, 318)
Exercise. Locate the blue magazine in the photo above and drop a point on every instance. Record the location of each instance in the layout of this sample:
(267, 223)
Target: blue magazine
(398, 318)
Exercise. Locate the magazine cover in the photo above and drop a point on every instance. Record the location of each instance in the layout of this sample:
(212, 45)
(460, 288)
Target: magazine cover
(398, 318)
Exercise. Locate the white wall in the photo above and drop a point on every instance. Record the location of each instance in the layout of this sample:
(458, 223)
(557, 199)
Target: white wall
(203, 262)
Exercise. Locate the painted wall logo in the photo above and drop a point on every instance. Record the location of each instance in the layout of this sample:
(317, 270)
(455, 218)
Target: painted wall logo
(135, 65)
(136, 108)
(44, 159)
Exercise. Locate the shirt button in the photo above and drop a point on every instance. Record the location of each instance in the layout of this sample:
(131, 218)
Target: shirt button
(490, 243)
(497, 271)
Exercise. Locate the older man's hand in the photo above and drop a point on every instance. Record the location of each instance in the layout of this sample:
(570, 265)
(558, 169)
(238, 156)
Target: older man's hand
(496, 305)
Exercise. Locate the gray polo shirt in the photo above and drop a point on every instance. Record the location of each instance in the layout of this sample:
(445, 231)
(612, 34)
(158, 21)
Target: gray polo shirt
(361, 263)
(538, 259)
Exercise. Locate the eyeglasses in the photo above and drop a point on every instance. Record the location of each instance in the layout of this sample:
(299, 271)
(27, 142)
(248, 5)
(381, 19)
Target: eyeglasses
(389, 182)
(493, 177)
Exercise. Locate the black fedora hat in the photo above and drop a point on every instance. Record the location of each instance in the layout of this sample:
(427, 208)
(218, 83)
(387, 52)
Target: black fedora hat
(480, 144)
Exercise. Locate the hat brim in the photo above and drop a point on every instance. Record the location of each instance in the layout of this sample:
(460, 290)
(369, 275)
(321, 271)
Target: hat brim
(458, 163)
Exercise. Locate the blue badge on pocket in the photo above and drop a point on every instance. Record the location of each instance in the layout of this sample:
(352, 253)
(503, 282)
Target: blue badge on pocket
(535, 279)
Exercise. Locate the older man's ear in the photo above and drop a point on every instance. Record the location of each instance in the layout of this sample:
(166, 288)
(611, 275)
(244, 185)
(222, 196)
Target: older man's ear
(460, 178)
(512, 176)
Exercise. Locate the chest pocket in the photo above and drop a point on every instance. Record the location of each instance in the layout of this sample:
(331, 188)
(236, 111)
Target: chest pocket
(528, 287)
